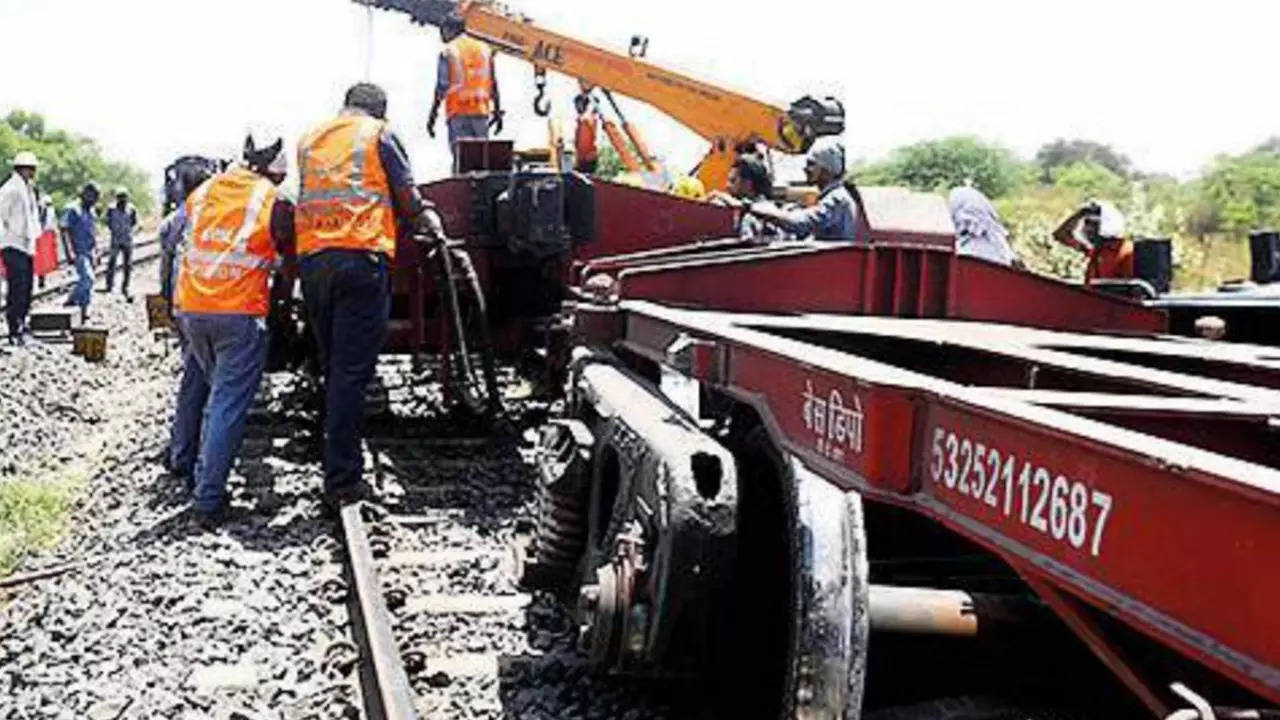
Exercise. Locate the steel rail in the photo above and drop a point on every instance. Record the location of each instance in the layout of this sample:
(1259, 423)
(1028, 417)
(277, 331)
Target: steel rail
(384, 682)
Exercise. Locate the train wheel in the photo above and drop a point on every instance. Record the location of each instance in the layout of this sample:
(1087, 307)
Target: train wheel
(795, 627)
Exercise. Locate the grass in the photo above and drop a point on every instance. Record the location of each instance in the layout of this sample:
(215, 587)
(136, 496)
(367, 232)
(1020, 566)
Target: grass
(33, 516)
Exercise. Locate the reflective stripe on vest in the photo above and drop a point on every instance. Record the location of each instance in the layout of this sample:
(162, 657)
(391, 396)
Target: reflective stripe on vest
(470, 78)
(345, 201)
(227, 251)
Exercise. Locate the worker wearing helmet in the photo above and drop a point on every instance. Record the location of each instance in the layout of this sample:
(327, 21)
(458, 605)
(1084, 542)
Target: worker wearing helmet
(834, 216)
(1098, 230)
(122, 220)
(238, 231)
(19, 229)
(467, 86)
(357, 192)
(80, 235)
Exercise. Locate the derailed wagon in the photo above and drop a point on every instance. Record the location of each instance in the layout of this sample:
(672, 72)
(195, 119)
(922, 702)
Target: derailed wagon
(810, 474)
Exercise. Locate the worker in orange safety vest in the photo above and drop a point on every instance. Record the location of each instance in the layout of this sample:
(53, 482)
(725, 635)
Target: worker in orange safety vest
(239, 228)
(357, 194)
(585, 143)
(467, 86)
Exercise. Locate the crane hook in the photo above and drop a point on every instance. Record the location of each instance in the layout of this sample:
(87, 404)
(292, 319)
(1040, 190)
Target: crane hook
(541, 105)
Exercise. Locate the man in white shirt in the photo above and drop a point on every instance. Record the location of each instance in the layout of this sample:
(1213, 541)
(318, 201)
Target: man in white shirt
(19, 228)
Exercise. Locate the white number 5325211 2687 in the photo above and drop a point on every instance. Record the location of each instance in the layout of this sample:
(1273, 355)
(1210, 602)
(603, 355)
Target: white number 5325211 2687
(1068, 511)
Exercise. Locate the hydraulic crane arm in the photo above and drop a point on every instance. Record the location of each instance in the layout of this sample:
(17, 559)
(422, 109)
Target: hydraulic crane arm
(724, 118)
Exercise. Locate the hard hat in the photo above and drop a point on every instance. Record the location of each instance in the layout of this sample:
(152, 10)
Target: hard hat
(689, 187)
(122, 190)
(633, 179)
(1111, 220)
(26, 158)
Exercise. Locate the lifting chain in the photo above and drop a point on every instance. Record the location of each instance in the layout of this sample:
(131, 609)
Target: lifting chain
(541, 105)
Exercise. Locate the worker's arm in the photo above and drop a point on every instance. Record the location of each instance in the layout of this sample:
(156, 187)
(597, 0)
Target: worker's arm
(496, 121)
(1065, 233)
(411, 209)
(808, 222)
(442, 89)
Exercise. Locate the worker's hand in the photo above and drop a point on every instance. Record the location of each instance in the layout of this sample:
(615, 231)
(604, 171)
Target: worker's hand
(431, 124)
(720, 197)
(428, 225)
(495, 121)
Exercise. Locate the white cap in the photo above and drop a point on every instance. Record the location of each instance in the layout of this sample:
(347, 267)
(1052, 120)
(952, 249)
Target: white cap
(26, 158)
(1111, 221)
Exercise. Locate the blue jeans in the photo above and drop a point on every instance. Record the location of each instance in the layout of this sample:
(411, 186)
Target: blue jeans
(348, 301)
(223, 365)
(82, 292)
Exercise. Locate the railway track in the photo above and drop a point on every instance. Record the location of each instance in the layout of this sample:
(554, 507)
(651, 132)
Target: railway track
(440, 627)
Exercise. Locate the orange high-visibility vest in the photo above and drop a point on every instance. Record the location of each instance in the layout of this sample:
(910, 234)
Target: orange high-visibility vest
(228, 252)
(470, 78)
(345, 201)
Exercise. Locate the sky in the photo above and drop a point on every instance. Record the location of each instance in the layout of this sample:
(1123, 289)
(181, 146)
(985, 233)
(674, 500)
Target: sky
(1170, 84)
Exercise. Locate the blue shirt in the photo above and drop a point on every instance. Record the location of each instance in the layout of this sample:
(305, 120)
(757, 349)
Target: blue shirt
(833, 218)
(81, 224)
(121, 224)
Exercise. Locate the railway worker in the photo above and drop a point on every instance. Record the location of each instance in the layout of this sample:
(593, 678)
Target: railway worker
(238, 231)
(122, 220)
(46, 259)
(1098, 230)
(834, 217)
(357, 191)
(979, 231)
(750, 182)
(19, 229)
(79, 228)
(467, 85)
(173, 227)
(585, 144)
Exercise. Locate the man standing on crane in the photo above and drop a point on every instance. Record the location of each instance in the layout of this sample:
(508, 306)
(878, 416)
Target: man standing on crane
(357, 191)
(835, 215)
(467, 85)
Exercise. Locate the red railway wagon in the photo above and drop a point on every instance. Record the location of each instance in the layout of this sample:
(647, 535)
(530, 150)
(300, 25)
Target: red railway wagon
(866, 441)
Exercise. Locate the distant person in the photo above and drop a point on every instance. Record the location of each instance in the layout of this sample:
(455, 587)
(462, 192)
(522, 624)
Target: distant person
(357, 193)
(238, 231)
(750, 182)
(585, 147)
(122, 220)
(979, 231)
(46, 260)
(468, 87)
(80, 234)
(834, 217)
(19, 229)
(1098, 230)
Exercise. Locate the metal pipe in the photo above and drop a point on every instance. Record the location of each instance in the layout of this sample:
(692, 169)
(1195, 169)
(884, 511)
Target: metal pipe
(923, 611)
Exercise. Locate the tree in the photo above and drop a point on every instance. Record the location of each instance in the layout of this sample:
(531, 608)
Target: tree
(1242, 192)
(609, 165)
(1061, 153)
(1090, 180)
(939, 165)
(67, 161)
